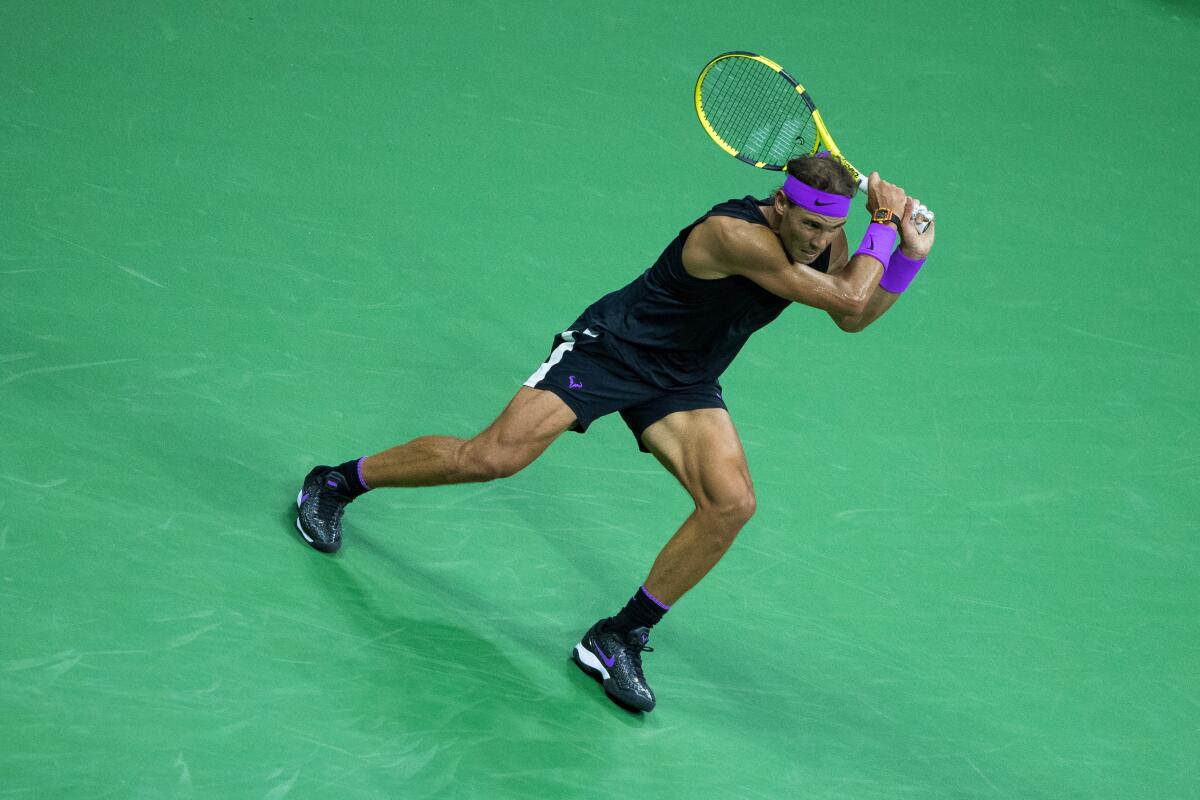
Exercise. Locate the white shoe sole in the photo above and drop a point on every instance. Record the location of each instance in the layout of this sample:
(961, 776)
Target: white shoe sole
(588, 658)
(307, 538)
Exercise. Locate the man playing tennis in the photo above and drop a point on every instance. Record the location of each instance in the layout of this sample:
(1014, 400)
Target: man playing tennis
(653, 352)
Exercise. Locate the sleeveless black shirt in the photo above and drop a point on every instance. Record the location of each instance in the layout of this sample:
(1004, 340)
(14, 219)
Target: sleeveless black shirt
(671, 329)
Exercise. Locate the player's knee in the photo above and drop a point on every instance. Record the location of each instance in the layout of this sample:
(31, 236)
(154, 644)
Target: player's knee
(502, 467)
(482, 462)
(731, 510)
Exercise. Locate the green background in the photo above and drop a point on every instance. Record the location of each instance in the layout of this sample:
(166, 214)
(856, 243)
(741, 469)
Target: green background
(238, 239)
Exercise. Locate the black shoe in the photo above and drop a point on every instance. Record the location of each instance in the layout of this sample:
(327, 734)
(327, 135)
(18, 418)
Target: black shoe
(321, 502)
(615, 660)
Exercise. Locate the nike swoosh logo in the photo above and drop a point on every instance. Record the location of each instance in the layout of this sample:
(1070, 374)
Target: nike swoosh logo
(819, 203)
(608, 662)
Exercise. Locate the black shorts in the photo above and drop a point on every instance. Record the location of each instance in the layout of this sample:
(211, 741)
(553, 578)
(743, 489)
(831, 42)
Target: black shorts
(593, 385)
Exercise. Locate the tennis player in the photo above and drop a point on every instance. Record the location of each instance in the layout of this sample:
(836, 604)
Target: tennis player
(653, 351)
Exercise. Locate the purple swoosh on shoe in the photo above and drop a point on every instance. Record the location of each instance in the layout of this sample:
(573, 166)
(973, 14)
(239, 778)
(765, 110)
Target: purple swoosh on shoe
(608, 662)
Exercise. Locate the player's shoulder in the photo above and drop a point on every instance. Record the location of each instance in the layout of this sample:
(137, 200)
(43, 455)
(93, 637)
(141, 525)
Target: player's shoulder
(731, 234)
(721, 245)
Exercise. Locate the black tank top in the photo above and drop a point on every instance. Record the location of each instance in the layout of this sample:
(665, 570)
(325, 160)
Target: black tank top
(671, 329)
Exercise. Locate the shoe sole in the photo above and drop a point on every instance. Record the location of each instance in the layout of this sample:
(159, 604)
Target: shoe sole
(313, 543)
(591, 666)
(588, 662)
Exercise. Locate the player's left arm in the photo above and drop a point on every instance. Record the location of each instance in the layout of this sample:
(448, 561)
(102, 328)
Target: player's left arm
(913, 243)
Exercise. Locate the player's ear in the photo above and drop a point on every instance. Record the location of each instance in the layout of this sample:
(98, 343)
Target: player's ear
(781, 202)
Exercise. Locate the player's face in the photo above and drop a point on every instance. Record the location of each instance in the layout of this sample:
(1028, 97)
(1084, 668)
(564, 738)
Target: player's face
(805, 235)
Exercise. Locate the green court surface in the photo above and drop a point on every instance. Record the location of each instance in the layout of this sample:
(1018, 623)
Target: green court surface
(238, 239)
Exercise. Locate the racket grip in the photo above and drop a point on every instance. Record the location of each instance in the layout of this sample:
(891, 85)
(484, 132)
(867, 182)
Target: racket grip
(921, 226)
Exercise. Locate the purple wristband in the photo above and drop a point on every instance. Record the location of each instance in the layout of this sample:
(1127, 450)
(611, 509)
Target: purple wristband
(899, 272)
(877, 242)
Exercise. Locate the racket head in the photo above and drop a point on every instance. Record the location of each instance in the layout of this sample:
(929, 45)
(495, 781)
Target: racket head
(755, 111)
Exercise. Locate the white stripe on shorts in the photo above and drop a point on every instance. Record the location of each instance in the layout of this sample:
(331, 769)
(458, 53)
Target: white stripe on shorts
(556, 356)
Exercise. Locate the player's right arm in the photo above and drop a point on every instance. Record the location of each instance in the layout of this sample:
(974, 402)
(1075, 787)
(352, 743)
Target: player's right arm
(723, 246)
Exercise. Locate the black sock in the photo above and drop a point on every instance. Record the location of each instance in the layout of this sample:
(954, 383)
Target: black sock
(352, 472)
(643, 610)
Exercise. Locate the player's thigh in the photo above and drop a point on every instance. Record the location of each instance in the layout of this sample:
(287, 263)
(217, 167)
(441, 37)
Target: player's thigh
(702, 449)
(529, 423)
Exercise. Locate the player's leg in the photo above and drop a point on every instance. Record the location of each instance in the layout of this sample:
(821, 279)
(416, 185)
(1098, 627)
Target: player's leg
(532, 420)
(702, 449)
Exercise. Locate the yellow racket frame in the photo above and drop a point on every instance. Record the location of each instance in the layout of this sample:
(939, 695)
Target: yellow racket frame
(823, 136)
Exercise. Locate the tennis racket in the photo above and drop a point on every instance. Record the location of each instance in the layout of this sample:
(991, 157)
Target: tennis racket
(761, 115)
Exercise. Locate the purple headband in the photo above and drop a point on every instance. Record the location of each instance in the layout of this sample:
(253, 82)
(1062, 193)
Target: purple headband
(814, 200)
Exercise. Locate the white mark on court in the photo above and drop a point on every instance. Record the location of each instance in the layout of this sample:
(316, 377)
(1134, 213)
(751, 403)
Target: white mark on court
(537, 122)
(185, 775)
(1120, 341)
(236, 726)
(282, 789)
(88, 250)
(50, 485)
(64, 368)
(7, 357)
(57, 663)
(346, 335)
(188, 638)
(59, 131)
(985, 777)
(137, 274)
(65, 665)
(850, 512)
(198, 615)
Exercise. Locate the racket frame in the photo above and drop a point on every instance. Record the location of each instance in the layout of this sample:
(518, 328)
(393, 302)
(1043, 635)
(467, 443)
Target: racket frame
(823, 135)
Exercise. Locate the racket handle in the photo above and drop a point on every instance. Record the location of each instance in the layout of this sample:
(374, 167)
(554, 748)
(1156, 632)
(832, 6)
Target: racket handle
(922, 211)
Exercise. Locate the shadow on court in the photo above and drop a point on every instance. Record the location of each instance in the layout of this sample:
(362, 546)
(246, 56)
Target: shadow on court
(468, 666)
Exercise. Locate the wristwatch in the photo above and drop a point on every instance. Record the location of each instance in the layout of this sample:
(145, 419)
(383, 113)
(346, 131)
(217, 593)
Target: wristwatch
(885, 216)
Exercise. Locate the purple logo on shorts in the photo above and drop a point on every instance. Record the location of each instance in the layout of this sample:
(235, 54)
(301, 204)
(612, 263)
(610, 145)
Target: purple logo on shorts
(331, 484)
(574, 384)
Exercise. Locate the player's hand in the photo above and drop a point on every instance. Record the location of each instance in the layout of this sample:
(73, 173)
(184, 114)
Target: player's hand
(913, 243)
(881, 194)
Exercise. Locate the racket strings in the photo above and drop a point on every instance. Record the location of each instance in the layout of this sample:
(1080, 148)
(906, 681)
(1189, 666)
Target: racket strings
(758, 112)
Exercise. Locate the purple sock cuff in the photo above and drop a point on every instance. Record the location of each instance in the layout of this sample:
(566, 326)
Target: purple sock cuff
(361, 479)
(899, 272)
(877, 242)
(655, 600)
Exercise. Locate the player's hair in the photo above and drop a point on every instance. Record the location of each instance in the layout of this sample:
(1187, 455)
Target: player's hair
(825, 174)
